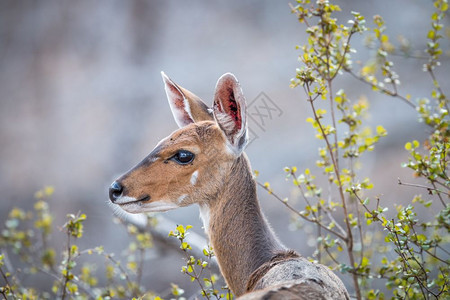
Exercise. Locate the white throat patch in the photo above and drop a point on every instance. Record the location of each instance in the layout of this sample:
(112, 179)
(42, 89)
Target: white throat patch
(204, 216)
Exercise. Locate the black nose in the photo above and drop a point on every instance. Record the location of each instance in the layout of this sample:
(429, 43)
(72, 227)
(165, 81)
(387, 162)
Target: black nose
(115, 191)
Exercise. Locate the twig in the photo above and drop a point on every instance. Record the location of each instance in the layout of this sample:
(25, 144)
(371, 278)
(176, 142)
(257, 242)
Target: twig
(349, 240)
(433, 183)
(195, 276)
(291, 208)
(384, 90)
(9, 266)
(119, 266)
(440, 247)
(330, 216)
(353, 270)
(429, 189)
(331, 256)
(140, 268)
(66, 276)
(7, 283)
(408, 266)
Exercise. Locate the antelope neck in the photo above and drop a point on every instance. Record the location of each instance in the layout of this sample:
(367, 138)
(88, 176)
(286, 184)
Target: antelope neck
(240, 235)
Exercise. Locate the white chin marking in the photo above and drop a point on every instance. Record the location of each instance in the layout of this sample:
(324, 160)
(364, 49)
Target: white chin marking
(141, 207)
(133, 208)
(159, 206)
(124, 200)
(194, 177)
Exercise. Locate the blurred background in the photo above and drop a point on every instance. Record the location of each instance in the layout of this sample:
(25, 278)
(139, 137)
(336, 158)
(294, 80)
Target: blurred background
(82, 101)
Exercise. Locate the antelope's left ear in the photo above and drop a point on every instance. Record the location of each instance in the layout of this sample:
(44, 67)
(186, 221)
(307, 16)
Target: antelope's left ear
(186, 107)
(230, 112)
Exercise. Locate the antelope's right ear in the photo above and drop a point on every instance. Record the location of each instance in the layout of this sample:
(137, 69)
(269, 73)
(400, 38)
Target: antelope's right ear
(230, 112)
(186, 107)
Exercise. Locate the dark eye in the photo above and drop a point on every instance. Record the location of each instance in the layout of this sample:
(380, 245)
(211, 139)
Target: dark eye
(183, 157)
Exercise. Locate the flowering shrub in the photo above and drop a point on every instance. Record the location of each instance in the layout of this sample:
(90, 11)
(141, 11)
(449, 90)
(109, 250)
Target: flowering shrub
(420, 267)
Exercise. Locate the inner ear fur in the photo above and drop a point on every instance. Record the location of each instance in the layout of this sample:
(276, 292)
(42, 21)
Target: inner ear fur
(199, 110)
(230, 111)
(186, 107)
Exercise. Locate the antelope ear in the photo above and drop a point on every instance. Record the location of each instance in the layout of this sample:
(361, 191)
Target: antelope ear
(186, 107)
(230, 112)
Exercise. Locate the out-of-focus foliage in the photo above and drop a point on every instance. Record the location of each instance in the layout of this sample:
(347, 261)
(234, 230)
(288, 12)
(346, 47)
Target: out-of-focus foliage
(27, 236)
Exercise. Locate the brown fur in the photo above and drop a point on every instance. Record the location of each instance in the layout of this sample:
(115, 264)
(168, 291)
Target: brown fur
(241, 238)
(199, 110)
(161, 179)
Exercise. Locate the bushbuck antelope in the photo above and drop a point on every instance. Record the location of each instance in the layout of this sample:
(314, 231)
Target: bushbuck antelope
(204, 162)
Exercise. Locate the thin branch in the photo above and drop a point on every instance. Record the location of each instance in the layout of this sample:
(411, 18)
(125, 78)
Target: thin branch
(7, 283)
(9, 266)
(349, 240)
(438, 86)
(429, 189)
(140, 267)
(194, 274)
(405, 261)
(333, 118)
(444, 286)
(66, 276)
(330, 216)
(440, 247)
(384, 90)
(291, 208)
(440, 183)
(353, 271)
(346, 50)
(438, 194)
(331, 256)
(212, 281)
(302, 192)
(403, 54)
(433, 255)
(119, 266)
(319, 234)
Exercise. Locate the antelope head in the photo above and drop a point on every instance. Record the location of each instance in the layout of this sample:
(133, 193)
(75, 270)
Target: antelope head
(191, 164)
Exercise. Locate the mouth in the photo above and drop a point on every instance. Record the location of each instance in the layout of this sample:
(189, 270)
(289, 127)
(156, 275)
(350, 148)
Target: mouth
(144, 205)
(133, 200)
